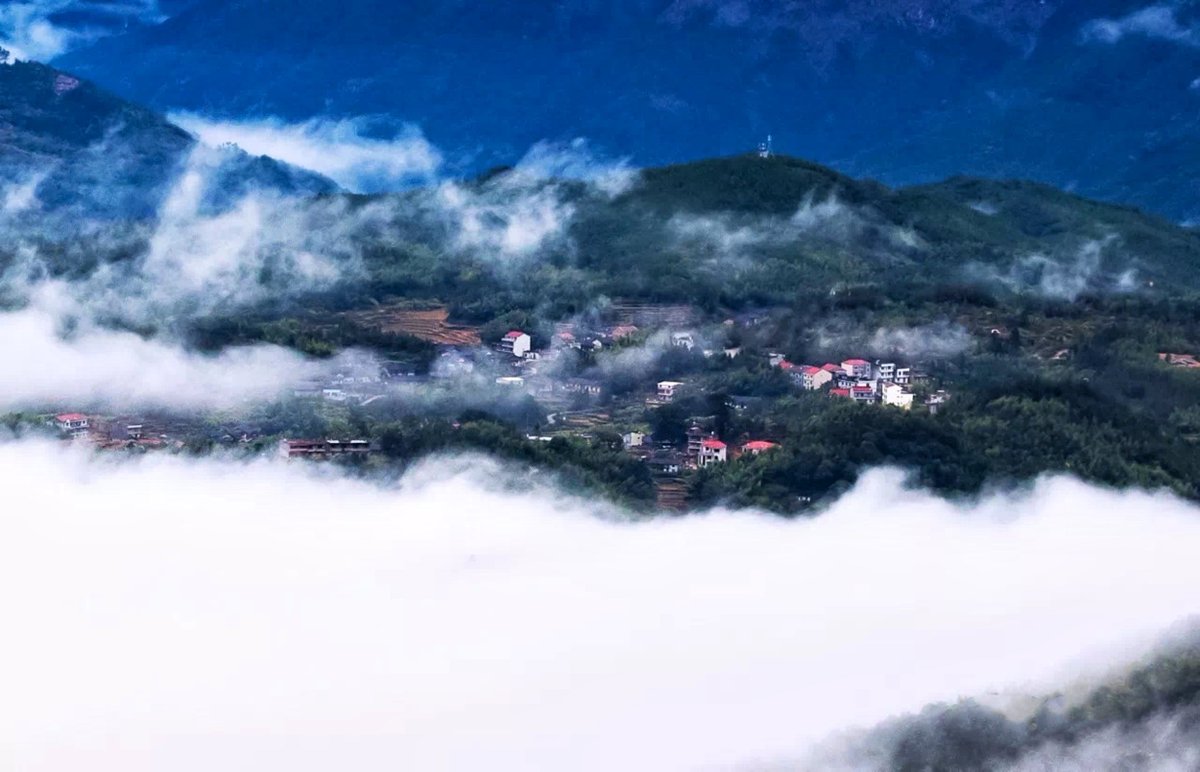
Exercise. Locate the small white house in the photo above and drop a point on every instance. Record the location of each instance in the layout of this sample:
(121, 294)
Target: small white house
(633, 440)
(683, 340)
(334, 394)
(75, 425)
(516, 343)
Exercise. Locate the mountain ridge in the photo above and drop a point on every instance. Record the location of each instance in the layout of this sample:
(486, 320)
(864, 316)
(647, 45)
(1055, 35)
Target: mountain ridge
(87, 150)
(1014, 89)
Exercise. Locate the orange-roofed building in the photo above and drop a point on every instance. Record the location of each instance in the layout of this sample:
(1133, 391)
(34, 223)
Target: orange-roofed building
(516, 343)
(712, 451)
(813, 378)
(73, 424)
(754, 447)
(857, 368)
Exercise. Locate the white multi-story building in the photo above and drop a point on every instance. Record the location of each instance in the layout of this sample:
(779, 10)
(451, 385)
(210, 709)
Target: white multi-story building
(712, 451)
(885, 371)
(897, 396)
(668, 389)
(516, 343)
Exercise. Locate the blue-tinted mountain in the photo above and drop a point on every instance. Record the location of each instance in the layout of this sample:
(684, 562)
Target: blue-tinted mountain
(89, 151)
(902, 90)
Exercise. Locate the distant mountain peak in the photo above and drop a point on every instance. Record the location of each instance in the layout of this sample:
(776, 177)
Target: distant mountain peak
(92, 151)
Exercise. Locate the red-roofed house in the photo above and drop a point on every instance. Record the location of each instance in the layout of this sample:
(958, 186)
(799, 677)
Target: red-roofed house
(863, 393)
(754, 447)
(840, 393)
(813, 378)
(857, 368)
(622, 331)
(73, 424)
(516, 343)
(712, 451)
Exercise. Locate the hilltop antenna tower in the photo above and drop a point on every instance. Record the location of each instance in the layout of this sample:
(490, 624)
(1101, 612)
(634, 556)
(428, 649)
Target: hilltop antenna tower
(764, 148)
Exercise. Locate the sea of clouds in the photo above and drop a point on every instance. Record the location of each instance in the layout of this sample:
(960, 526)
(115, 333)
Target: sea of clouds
(183, 614)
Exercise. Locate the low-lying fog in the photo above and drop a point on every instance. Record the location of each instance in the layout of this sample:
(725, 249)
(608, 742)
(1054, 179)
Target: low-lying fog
(201, 614)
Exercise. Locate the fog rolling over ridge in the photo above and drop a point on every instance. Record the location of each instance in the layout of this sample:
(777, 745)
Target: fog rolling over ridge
(198, 614)
(592, 463)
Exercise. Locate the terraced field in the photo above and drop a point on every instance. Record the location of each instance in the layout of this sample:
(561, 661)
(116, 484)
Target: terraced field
(671, 494)
(429, 324)
(654, 315)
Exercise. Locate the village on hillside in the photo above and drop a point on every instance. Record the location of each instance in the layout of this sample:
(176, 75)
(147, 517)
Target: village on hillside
(586, 379)
(668, 390)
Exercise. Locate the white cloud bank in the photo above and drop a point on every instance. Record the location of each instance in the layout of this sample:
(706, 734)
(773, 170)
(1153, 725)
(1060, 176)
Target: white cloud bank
(1155, 21)
(343, 150)
(94, 366)
(27, 29)
(180, 615)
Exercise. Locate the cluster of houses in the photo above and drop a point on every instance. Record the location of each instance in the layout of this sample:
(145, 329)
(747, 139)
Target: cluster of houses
(857, 379)
(359, 379)
(108, 434)
(703, 449)
(120, 434)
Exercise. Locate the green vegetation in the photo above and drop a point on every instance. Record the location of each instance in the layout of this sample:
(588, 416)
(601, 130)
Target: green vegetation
(1041, 313)
(1160, 699)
